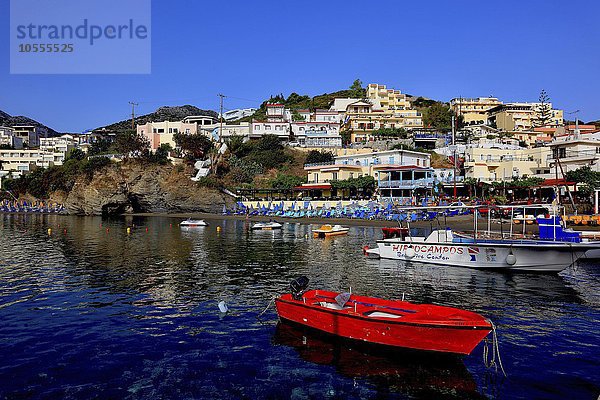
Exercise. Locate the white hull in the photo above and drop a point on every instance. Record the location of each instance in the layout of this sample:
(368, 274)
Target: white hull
(192, 223)
(533, 258)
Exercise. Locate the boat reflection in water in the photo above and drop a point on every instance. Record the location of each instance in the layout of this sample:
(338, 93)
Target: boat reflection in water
(404, 371)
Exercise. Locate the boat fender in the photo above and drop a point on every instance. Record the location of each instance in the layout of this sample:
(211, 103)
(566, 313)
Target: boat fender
(410, 252)
(511, 259)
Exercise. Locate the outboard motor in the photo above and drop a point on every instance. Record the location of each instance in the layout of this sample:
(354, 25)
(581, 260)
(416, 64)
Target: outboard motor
(298, 287)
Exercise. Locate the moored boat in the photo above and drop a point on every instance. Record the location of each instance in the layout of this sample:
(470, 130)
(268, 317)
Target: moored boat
(386, 322)
(329, 230)
(193, 223)
(443, 248)
(266, 226)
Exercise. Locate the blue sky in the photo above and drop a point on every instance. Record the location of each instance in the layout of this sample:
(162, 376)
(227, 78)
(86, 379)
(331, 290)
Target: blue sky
(249, 50)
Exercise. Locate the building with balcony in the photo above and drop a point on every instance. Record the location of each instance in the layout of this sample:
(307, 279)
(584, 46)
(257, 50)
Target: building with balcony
(19, 162)
(572, 152)
(475, 111)
(521, 116)
(8, 138)
(384, 108)
(239, 113)
(61, 144)
(159, 133)
(489, 165)
(401, 175)
(389, 99)
(30, 134)
(316, 133)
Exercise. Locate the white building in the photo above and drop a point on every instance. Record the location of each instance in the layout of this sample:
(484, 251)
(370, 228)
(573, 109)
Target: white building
(239, 113)
(389, 157)
(30, 134)
(62, 144)
(8, 138)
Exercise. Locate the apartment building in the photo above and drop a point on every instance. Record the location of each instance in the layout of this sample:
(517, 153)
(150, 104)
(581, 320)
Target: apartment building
(8, 138)
(521, 116)
(400, 174)
(383, 108)
(475, 111)
(30, 134)
(238, 113)
(489, 165)
(572, 152)
(61, 144)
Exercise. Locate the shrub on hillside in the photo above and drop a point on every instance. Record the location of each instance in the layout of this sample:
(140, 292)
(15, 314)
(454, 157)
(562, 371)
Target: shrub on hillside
(316, 156)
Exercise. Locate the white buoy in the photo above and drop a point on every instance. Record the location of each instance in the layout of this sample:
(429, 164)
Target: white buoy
(410, 252)
(223, 307)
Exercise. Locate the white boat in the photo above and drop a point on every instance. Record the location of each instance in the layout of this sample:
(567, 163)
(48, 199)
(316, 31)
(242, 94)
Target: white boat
(192, 223)
(442, 248)
(328, 230)
(266, 226)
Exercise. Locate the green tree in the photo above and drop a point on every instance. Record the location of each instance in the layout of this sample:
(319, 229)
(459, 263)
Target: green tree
(195, 146)
(131, 144)
(100, 146)
(296, 116)
(544, 110)
(76, 154)
(438, 116)
(283, 181)
(356, 90)
(316, 156)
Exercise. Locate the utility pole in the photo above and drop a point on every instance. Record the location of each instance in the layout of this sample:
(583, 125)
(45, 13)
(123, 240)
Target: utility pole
(454, 147)
(133, 113)
(221, 97)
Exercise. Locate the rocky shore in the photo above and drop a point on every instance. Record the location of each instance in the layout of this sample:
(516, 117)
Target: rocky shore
(137, 187)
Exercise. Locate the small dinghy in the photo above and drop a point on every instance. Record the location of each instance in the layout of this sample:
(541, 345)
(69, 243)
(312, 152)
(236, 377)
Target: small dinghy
(385, 322)
(192, 223)
(328, 230)
(266, 226)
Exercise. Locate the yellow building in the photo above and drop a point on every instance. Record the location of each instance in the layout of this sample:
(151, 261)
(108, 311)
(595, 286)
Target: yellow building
(389, 99)
(522, 116)
(489, 165)
(474, 111)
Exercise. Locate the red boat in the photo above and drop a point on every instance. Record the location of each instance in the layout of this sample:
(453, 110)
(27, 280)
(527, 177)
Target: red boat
(386, 322)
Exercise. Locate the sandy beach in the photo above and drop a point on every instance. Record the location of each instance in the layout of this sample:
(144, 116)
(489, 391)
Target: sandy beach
(461, 223)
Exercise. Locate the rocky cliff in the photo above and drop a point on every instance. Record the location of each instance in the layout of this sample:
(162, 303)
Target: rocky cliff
(136, 187)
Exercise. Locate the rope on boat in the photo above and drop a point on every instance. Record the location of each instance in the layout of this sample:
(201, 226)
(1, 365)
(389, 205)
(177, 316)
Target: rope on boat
(272, 301)
(495, 353)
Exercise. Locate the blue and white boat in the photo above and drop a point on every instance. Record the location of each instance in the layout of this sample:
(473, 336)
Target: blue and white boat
(555, 250)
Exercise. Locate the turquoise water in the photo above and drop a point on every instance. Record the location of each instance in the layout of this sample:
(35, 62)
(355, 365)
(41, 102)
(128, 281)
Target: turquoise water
(91, 313)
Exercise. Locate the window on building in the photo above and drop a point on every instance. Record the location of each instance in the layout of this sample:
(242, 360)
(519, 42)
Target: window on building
(267, 127)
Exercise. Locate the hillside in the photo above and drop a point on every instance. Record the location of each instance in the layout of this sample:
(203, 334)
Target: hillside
(9, 120)
(165, 113)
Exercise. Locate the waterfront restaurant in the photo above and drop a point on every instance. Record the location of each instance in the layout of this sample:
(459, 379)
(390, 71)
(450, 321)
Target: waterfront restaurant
(404, 183)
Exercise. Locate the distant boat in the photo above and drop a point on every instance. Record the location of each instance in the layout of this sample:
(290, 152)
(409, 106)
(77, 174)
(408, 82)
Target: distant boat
(266, 226)
(328, 230)
(192, 223)
(385, 322)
